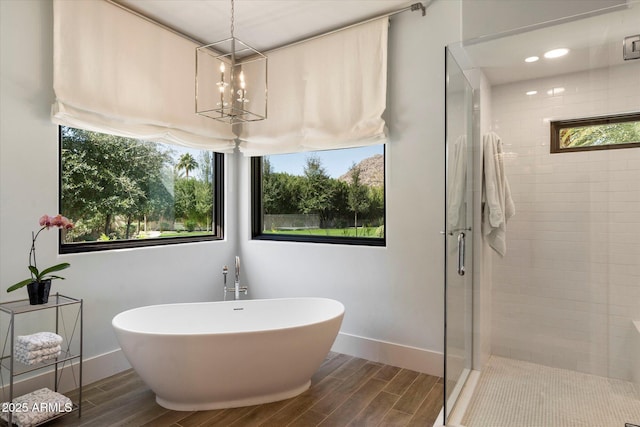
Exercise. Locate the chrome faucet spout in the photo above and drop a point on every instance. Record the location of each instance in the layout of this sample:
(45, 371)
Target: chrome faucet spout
(225, 271)
(236, 289)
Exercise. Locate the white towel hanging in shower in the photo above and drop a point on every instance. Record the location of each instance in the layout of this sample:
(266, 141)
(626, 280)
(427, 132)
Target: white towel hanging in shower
(458, 183)
(497, 205)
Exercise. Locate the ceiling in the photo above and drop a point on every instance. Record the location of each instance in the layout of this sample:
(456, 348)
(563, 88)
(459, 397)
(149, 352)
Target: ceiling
(262, 24)
(594, 40)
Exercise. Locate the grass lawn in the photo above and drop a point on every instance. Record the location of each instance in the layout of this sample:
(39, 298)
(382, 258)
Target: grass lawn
(334, 232)
(184, 233)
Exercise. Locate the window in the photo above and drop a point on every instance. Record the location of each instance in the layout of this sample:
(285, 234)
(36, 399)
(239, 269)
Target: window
(596, 133)
(333, 196)
(124, 193)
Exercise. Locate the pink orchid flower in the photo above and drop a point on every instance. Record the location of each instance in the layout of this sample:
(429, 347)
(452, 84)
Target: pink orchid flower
(45, 222)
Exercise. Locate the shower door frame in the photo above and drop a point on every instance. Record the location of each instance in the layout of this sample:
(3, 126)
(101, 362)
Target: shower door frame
(458, 285)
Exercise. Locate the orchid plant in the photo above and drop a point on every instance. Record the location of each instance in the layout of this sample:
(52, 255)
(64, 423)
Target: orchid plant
(46, 222)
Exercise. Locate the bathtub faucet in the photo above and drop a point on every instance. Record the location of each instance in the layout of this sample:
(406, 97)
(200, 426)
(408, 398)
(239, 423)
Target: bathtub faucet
(237, 270)
(236, 289)
(236, 286)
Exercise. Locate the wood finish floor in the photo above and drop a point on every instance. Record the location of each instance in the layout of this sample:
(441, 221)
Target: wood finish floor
(345, 391)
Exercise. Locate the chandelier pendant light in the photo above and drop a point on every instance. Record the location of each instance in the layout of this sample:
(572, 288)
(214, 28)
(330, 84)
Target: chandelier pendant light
(231, 80)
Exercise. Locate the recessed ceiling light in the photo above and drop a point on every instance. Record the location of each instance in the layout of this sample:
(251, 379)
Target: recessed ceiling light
(556, 53)
(532, 92)
(555, 91)
(531, 59)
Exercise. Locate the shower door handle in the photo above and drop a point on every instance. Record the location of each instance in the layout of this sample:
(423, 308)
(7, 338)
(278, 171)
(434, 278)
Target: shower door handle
(461, 244)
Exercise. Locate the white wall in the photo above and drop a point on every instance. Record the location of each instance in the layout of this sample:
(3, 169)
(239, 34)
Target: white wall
(566, 293)
(393, 295)
(109, 282)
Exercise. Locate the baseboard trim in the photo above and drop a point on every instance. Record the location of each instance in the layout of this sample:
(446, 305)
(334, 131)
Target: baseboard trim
(403, 356)
(103, 366)
(93, 369)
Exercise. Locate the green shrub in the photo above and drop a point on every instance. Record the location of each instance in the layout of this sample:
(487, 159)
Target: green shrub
(190, 225)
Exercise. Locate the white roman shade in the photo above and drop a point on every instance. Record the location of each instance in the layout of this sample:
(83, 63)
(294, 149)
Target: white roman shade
(325, 93)
(118, 73)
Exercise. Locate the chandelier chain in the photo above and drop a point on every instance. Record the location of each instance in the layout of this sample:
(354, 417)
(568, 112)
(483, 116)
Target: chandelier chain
(232, 18)
(229, 101)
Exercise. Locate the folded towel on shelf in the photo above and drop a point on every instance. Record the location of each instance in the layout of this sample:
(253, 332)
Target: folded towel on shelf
(36, 356)
(36, 353)
(39, 340)
(36, 360)
(36, 407)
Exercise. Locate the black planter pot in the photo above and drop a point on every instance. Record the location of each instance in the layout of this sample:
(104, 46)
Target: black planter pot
(39, 292)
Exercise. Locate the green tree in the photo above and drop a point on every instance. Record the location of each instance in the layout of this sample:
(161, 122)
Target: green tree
(120, 170)
(280, 191)
(339, 214)
(194, 201)
(161, 203)
(184, 198)
(317, 192)
(594, 135)
(204, 204)
(376, 207)
(206, 165)
(187, 163)
(204, 189)
(358, 195)
(271, 190)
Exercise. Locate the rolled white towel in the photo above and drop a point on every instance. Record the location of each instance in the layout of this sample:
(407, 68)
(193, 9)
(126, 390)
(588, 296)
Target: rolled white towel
(36, 407)
(36, 356)
(39, 340)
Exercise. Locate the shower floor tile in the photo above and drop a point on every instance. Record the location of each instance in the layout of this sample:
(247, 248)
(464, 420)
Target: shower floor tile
(512, 393)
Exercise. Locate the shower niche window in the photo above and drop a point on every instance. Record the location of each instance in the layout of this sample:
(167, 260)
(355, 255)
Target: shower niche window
(596, 133)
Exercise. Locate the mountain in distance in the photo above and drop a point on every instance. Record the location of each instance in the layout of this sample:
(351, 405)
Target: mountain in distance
(371, 171)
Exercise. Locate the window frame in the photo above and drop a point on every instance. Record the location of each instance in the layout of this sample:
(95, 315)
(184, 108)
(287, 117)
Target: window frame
(217, 224)
(557, 125)
(257, 216)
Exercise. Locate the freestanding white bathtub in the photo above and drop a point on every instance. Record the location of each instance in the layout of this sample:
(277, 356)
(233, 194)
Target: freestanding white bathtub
(212, 355)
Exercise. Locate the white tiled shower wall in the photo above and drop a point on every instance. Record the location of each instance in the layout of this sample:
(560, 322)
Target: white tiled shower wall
(568, 289)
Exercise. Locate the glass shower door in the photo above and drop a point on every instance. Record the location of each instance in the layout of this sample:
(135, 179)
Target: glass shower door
(458, 236)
